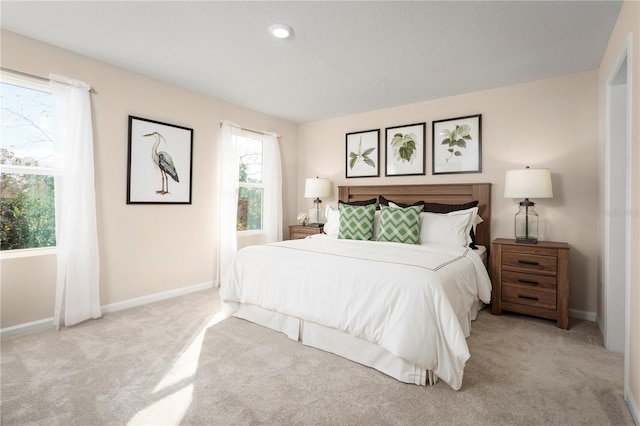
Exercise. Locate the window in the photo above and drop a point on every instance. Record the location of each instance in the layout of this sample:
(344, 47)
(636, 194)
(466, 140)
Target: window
(27, 203)
(251, 185)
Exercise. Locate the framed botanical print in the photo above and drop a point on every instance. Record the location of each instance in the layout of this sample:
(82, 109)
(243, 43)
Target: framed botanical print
(405, 150)
(457, 145)
(160, 158)
(363, 154)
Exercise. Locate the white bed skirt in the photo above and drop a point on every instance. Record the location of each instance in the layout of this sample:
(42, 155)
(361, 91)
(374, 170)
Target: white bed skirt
(344, 344)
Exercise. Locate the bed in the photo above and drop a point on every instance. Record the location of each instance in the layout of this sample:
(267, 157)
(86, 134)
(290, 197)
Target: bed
(403, 309)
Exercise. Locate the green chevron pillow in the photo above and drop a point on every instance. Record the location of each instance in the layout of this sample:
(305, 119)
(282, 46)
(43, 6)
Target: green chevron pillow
(356, 222)
(400, 225)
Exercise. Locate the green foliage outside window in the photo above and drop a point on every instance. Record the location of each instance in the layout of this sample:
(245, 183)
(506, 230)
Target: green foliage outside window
(249, 216)
(27, 198)
(27, 213)
(249, 209)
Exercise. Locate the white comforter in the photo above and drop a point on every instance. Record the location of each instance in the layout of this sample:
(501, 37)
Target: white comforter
(405, 298)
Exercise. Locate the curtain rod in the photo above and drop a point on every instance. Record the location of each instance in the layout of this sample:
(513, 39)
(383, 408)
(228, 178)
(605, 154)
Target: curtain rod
(247, 130)
(91, 89)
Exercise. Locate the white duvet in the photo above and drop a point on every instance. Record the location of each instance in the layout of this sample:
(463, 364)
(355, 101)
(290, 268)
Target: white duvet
(405, 298)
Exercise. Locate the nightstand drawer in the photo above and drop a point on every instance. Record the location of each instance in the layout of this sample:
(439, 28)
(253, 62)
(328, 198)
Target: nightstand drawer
(297, 235)
(529, 262)
(528, 296)
(529, 279)
(297, 232)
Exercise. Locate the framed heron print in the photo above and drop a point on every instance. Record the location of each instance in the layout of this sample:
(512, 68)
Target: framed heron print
(159, 163)
(404, 150)
(363, 154)
(457, 145)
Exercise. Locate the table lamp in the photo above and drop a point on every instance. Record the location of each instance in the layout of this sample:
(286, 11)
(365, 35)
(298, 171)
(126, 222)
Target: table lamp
(527, 183)
(317, 188)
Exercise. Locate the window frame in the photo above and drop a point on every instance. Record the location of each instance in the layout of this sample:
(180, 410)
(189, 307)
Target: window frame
(32, 83)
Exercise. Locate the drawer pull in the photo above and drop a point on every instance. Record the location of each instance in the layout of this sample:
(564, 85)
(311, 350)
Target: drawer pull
(524, 296)
(528, 262)
(528, 282)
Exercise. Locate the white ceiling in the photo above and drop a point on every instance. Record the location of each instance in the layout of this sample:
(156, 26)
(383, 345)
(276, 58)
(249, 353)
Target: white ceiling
(344, 57)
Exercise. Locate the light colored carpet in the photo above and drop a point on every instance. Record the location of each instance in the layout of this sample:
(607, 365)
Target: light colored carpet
(167, 363)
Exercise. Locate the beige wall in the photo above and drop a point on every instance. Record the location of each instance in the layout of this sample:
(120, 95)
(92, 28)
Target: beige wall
(145, 249)
(550, 123)
(628, 23)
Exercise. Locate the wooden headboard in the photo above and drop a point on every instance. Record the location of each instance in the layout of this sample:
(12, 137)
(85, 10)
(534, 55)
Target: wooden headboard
(455, 193)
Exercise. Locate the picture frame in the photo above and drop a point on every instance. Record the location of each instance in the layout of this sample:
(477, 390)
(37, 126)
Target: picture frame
(457, 145)
(159, 167)
(405, 150)
(362, 154)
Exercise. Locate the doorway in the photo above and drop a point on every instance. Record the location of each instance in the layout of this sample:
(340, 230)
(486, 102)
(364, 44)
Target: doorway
(614, 320)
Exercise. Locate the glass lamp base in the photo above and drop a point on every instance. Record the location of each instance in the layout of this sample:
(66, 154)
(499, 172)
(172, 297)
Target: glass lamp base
(316, 216)
(526, 223)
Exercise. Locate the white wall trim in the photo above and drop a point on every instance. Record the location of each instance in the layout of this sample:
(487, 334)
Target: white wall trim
(633, 407)
(612, 325)
(624, 55)
(144, 300)
(43, 324)
(28, 327)
(583, 315)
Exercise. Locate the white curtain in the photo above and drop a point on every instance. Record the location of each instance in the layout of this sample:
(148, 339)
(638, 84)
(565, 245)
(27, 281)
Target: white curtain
(228, 190)
(78, 266)
(272, 175)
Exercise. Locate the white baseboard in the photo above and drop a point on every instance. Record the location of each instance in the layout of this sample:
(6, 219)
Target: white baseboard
(583, 315)
(112, 307)
(28, 327)
(144, 300)
(633, 406)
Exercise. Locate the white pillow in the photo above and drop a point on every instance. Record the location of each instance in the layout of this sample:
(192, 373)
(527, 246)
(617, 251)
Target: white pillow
(474, 221)
(450, 228)
(477, 221)
(332, 226)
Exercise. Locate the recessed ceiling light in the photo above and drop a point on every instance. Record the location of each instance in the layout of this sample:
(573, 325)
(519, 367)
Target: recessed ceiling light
(280, 30)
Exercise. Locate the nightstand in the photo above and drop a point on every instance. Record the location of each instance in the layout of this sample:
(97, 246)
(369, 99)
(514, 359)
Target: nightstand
(531, 279)
(297, 232)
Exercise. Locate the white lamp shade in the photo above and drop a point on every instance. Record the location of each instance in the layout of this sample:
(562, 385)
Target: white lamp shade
(317, 188)
(528, 183)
